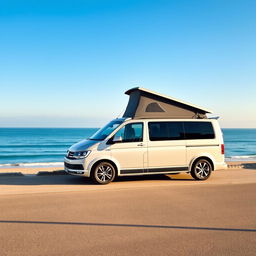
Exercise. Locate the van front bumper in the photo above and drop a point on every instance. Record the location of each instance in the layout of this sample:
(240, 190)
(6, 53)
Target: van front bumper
(75, 167)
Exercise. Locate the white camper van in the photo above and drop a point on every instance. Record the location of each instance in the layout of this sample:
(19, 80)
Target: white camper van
(157, 134)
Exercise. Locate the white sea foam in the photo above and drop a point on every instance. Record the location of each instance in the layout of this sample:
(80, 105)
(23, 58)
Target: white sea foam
(251, 156)
(52, 164)
(241, 158)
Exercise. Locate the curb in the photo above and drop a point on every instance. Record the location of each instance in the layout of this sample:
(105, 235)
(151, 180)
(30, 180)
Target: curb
(243, 166)
(235, 166)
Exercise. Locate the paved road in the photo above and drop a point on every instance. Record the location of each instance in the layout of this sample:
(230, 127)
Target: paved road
(161, 215)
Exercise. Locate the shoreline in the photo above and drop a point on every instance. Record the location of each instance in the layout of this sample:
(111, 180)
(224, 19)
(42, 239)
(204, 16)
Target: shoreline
(58, 168)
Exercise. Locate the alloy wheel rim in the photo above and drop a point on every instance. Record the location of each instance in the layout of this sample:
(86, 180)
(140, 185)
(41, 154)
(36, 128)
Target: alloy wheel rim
(104, 173)
(202, 169)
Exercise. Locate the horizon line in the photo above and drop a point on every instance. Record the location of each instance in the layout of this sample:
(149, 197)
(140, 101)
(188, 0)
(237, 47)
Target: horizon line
(61, 127)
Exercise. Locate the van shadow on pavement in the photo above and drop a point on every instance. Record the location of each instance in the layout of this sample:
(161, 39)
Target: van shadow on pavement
(77, 180)
(127, 225)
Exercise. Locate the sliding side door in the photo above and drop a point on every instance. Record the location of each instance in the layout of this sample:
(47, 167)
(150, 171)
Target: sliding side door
(166, 146)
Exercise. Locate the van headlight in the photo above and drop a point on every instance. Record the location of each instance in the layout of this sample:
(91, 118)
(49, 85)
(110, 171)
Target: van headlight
(79, 154)
(82, 154)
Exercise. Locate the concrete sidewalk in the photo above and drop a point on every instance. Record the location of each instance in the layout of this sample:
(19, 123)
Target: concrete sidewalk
(51, 183)
(129, 217)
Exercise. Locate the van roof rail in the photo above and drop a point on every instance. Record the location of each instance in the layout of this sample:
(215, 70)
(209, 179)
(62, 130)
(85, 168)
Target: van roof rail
(214, 117)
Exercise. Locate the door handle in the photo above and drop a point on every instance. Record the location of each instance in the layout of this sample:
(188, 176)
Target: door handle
(140, 144)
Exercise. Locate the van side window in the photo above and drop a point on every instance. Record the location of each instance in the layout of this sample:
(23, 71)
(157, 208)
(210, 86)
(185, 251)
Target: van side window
(131, 133)
(198, 130)
(165, 131)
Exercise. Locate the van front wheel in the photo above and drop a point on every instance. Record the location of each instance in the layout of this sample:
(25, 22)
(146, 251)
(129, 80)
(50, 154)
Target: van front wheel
(201, 170)
(103, 173)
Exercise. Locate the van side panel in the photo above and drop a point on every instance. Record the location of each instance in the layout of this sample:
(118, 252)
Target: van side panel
(163, 152)
(166, 154)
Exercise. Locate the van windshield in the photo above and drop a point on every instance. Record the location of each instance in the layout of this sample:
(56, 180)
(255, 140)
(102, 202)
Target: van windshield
(106, 130)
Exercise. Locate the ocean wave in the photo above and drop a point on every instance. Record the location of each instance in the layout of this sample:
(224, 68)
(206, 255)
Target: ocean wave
(243, 157)
(32, 155)
(35, 145)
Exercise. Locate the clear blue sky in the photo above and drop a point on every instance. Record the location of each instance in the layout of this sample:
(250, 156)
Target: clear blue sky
(68, 63)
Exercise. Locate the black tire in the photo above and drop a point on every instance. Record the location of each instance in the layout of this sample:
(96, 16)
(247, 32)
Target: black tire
(103, 173)
(201, 169)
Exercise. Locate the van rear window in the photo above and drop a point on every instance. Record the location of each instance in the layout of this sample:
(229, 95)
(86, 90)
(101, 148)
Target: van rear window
(198, 130)
(180, 130)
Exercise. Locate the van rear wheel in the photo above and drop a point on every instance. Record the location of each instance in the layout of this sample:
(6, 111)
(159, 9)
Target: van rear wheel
(201, 170)
(103, 173)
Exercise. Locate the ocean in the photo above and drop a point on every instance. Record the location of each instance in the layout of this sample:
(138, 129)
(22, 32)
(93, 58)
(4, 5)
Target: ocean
(47, 146)
(38, 145)
(240, 144)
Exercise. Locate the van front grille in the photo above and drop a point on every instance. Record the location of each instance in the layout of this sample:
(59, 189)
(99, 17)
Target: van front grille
(74, 166)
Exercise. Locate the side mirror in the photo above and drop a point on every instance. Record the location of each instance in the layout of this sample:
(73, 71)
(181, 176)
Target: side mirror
(117, 139)
(114, 139)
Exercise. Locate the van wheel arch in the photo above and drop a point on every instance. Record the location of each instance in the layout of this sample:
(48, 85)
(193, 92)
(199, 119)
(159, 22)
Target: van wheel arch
(103, 160)
(202, 158)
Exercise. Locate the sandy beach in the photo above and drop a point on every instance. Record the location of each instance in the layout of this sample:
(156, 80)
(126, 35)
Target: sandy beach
(29, 170)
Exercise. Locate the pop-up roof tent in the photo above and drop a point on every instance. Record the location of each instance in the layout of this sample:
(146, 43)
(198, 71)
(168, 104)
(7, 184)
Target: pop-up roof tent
(144, 103)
